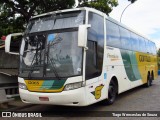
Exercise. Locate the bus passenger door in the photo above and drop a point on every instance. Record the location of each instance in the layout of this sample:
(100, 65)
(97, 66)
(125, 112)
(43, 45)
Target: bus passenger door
(94, 58)
(93, 83)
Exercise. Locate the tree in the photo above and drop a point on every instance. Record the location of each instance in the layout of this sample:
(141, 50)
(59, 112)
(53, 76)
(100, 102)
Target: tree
(132, 1)
(14, 14)
(102, 5)
(158, 53)
(28, 8)
(158, 58)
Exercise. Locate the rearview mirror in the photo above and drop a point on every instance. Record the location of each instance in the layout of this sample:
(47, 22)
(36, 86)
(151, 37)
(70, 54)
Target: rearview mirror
(82, 35)
(12, 43)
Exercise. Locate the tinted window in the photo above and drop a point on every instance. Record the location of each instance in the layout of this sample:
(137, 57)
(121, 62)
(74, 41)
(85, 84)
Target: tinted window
(134, 41)
(113, 35)
(125, 38)
(142, 45)
(153, 48)
(56, 21)
(148, 50)
(91, 63)
(94, 57)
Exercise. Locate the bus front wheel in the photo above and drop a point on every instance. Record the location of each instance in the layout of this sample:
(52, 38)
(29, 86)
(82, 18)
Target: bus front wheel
(112, 93)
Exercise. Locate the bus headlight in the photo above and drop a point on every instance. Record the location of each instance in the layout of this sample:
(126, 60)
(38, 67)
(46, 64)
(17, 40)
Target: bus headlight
(72, 86)
(22, 86)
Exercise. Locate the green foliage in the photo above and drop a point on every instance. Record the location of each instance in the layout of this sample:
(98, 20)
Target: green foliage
(102, 5)
(158, 53)
(158, 58)
(28, 8)
(14, 14)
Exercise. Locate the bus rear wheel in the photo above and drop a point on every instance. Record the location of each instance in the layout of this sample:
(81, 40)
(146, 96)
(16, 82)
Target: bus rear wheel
(149, 81)
(152, 78)
(112, 93)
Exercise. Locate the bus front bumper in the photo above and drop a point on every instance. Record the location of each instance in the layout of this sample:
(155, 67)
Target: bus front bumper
(74, 97)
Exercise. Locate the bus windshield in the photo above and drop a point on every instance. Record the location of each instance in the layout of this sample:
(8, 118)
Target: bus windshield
(56, 21)
(51, 53)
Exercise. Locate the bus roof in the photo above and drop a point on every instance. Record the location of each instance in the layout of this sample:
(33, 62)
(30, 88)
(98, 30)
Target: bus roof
(95, 11)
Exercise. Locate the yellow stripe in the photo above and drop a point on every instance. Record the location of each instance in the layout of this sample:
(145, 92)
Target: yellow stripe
(146, 63)
(46, 90)
(35, 86)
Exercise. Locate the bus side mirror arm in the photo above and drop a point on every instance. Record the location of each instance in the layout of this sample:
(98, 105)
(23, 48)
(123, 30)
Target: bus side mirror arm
(82, 36)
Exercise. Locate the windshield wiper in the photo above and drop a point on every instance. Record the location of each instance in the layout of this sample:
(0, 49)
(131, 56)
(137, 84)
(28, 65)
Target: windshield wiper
(54, 69)
(38, 49)
(37, 54)
(32, 67)
(52, 64)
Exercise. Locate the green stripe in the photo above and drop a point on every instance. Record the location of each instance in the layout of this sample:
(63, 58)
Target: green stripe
(130, 64)
(58, 84)
(47, 84)
(53, 84)
(135, 65)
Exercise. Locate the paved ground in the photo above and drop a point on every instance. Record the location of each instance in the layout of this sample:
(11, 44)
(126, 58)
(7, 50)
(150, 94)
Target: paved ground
(138, 99)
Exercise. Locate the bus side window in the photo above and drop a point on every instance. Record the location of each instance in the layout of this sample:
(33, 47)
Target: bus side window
(95, 43)
(135, 41)
(154, 49)
(125, 38)
(141, 44)
(113, 34)
(148, 50)
(91, 59)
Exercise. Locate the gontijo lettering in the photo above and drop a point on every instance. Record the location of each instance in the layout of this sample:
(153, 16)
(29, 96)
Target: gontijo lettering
(144, 58)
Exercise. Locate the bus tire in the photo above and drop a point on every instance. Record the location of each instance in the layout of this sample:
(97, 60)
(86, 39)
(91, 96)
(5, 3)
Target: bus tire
(112, 93)
(152, 78)
(149, 81)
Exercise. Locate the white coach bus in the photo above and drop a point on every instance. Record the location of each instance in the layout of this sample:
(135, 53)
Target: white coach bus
(77, 57)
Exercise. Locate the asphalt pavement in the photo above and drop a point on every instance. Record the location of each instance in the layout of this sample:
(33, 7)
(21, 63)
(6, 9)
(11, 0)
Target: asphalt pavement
(140, 100)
